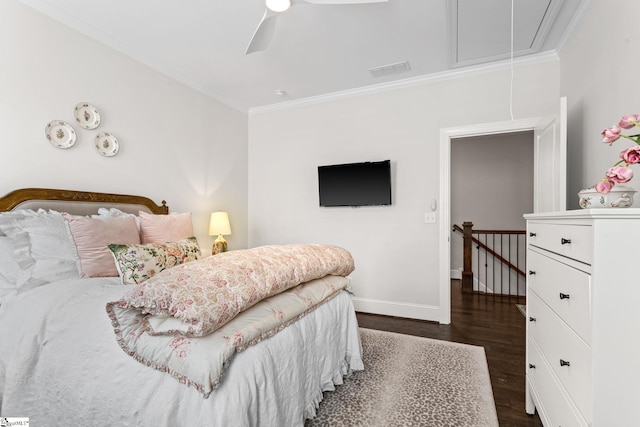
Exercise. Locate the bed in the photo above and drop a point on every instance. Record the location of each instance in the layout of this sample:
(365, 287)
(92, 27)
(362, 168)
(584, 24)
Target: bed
(82, 345)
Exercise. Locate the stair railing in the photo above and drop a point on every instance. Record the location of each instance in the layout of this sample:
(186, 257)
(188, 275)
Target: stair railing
(498, 257)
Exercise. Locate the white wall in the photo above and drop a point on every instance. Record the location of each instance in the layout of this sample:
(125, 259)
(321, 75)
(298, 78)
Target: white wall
(176, 144)
(501, 163)
(599, 76)
(396, 254)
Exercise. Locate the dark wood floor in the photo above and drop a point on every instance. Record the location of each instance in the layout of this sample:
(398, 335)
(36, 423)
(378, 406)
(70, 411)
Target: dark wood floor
(495, 324)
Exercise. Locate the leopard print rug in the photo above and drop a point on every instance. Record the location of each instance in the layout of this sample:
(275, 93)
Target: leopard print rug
(412, 381)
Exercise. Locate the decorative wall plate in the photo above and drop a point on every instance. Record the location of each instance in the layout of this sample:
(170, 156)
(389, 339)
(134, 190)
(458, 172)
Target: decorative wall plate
(107, 144)
(60, 134)
(86, 115)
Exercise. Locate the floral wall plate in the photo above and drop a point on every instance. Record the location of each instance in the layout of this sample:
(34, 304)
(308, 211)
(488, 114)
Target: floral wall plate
(107, 144)
(60, 134)
(86, 115)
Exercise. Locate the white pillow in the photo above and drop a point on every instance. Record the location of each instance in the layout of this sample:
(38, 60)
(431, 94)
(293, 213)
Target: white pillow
(8, 266)
(8, 270)
(115, 213)
(7, 290)
(43, 248)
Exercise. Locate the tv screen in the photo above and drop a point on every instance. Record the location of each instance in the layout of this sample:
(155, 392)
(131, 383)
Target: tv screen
(355, 184)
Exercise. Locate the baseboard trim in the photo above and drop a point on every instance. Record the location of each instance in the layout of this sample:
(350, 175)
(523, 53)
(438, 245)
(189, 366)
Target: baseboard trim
(397, 309)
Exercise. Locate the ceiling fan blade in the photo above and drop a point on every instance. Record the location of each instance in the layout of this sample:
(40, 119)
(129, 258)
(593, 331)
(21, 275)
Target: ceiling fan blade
(264, 32)
(344, 1)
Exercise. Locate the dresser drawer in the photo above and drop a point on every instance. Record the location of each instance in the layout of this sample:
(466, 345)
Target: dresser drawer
(557, 409)
(571, 240)
(568, 356)
(565, 289)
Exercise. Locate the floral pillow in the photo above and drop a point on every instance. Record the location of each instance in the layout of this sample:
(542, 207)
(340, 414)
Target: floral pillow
(137, 263)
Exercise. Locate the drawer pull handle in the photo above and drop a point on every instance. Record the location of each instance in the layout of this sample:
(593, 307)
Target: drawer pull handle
(532, 272)
(532, 234)
(564, 296)
(532, 319)
(564, 241)
(532, 366)
(564, 363)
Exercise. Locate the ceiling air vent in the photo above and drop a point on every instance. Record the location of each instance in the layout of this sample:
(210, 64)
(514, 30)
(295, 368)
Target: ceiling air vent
(387, 70)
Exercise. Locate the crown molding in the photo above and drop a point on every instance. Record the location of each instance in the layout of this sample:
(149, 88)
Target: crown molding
(413, 81)
(576, 20)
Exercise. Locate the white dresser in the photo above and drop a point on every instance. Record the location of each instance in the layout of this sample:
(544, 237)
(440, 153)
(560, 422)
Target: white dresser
(583, 317)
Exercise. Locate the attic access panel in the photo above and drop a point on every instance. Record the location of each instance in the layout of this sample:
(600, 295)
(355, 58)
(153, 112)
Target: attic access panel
(483, 28)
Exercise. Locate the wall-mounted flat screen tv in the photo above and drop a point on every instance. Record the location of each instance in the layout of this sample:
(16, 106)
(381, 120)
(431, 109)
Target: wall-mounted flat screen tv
(355, 184)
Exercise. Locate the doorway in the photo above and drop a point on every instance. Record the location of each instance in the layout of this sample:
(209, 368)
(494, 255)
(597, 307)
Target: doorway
(492, 187)
(446, 136)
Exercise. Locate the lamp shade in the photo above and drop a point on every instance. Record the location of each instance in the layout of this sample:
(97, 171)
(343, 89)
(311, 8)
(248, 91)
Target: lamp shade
(219, 224)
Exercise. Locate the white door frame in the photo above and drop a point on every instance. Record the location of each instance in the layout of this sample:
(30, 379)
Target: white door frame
(446, 135)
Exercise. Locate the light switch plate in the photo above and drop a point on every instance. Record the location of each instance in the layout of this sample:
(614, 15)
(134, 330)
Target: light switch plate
(430, 218)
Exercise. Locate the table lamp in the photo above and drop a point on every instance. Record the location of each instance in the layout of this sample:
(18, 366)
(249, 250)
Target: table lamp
(219, 225)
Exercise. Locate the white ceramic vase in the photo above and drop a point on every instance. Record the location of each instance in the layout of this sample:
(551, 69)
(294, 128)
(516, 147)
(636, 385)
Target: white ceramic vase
(620, 196)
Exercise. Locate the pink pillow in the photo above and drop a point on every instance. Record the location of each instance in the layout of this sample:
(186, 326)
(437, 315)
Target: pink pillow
(92, 235)
(165, 228)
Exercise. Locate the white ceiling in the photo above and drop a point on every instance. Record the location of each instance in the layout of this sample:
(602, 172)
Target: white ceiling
(316, 49)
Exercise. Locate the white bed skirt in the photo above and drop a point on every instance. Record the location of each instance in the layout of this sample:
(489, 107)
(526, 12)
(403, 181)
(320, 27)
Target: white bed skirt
(71, 371)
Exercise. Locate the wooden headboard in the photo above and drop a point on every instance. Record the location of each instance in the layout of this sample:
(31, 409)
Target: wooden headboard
(77, 202)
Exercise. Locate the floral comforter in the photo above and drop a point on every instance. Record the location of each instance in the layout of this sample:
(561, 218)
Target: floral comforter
(167, 322)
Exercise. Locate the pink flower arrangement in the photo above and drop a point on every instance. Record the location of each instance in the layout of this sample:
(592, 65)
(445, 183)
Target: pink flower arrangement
(618, 174)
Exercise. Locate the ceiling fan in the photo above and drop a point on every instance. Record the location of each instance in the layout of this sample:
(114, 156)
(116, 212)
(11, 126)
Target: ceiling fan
(267, 25)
